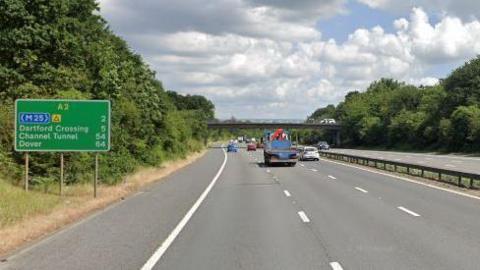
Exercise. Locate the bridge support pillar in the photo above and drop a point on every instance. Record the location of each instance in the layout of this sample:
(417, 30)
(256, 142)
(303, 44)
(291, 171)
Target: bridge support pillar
(337, 138)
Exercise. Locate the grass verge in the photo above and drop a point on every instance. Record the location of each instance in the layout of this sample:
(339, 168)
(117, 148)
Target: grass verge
(29, 216)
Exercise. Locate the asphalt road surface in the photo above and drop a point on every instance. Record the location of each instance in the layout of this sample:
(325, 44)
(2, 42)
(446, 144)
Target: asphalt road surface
(317, 215)
(447, 162)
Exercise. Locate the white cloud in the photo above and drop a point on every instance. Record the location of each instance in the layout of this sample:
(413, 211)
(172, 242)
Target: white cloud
(280, 20)
(260, 58)
(466, 9)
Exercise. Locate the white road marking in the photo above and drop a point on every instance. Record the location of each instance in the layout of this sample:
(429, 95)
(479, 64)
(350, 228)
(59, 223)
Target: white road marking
(157, 255)
(336, 266)
(287, 193)
(408, 211)
(314, 170)
(398, 159)
(302, 165)
(450, 165)
(361, 189)
(304, 217)
(332, 177)
(405, 179)
(268, 171)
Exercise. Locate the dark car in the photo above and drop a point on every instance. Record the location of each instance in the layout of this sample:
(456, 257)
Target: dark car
(323, 145)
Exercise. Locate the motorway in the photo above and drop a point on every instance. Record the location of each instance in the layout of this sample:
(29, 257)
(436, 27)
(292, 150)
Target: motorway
(228, 211)
(447, 162)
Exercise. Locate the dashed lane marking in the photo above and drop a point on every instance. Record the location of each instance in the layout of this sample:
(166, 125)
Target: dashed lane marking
(304, 217)
(408, 211)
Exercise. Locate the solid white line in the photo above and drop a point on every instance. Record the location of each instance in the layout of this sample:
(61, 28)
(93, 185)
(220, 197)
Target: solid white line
(336, 266)
(408, 211)
(167, 242)
(304, 217)
(314, 170)
(361, 189)
(287, 193)
(406, 179)
(332, 177)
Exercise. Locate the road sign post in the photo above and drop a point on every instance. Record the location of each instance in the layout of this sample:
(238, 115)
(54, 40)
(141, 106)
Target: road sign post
(95, 180)
(26, 171)
(45, 125)
(61, 174)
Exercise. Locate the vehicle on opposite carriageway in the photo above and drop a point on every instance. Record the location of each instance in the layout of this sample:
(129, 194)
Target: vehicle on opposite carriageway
(323, 145)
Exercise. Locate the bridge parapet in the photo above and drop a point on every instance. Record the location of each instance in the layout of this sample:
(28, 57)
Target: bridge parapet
(251, 125)
(256, 125)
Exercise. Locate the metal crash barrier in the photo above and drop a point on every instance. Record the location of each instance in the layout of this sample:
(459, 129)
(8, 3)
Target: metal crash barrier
(458, 178)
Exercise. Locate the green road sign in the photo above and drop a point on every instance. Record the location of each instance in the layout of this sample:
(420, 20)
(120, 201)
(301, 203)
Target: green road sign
(62, 125)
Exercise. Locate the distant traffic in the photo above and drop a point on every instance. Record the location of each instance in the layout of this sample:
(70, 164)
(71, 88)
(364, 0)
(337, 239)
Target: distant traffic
(278, 148)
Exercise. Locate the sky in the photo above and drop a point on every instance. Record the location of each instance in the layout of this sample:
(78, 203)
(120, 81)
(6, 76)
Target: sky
(286, 58)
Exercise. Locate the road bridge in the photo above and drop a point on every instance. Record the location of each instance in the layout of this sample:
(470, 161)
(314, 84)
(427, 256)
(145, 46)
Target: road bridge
(274, 125)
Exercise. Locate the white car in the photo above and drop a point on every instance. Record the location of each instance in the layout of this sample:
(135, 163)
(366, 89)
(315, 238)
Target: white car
(309, 153)
(328, 121)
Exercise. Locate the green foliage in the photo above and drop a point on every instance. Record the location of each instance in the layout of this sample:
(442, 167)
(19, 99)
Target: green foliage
(462, 87)
(465, 127)
(392, 114)
(322, 113)
(64, 49)
(193, 103)
(406, 126)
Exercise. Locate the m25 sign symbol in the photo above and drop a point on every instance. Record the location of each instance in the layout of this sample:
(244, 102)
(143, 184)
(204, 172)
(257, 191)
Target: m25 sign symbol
(34, 118)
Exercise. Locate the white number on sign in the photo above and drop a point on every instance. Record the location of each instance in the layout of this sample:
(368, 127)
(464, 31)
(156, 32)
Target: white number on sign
(100, 144)
(100, 136)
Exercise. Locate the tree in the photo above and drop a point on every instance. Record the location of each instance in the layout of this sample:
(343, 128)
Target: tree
(64, 49)
(462, 87)
(405, 128)
(322, 113)
(465, 127)
(193, 102)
